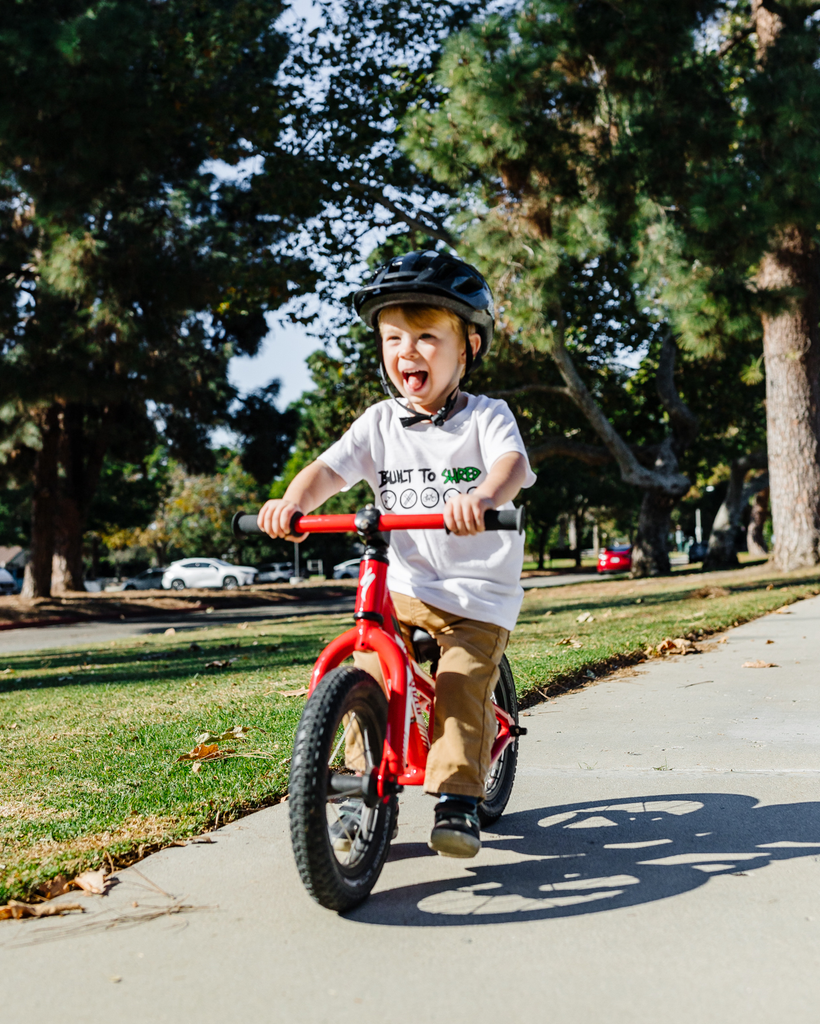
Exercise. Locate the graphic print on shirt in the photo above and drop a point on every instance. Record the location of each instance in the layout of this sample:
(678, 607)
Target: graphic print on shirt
(430, 496)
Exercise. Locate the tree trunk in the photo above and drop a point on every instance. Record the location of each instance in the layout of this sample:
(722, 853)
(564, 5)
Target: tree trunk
(37, 578)
(755, 541)
(83, 444)
(722, 553)
(791, 346)
(650, 553)
(68, 571)
(542, 545)
(791, 349)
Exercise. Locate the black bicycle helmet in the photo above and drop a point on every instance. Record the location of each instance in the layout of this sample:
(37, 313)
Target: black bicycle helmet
(431, 278)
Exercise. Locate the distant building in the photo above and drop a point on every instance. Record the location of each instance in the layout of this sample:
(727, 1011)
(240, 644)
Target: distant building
(13, 558)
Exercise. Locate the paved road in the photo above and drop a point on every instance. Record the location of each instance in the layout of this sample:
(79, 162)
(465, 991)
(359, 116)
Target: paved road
(659, 861)
(40, 638)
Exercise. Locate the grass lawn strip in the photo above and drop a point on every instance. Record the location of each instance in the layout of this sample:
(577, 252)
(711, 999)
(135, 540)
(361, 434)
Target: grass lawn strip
(89, 738)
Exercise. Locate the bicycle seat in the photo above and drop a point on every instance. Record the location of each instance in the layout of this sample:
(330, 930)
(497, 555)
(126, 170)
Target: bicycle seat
(425, 647)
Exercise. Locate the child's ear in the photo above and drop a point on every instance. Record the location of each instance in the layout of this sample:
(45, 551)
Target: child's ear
(475, 343)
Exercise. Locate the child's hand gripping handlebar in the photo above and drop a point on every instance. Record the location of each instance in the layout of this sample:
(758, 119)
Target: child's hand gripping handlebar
(244, 524)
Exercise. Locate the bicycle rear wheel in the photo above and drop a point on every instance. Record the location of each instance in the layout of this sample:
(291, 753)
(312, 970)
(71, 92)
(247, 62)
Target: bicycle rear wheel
(501, 777)
(339, 842)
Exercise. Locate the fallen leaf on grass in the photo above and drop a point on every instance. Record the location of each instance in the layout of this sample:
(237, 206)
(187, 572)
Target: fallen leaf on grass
(759, 664)
(708, 592)
(547, 613)
(92, 881)
(170, 631)
(202, 752)
(218, 664)
(242, 625)
(293, 693)
(236, 732)
(585, 617)
(16, 910)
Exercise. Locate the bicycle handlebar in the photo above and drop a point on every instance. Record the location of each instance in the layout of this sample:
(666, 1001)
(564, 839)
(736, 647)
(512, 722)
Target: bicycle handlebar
(244, 524)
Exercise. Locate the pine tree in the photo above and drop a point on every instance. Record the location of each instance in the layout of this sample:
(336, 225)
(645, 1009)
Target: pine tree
(131, 273)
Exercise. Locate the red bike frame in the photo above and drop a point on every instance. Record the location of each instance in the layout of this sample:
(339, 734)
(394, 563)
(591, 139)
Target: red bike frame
(410, 690)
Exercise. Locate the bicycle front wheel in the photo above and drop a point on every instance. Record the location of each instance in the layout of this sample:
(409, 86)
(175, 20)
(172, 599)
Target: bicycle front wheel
(499, 783)
(339, 842)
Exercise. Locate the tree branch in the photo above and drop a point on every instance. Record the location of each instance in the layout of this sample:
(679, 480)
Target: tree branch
(550, 389)
(738, 37)
(632, 472)
(434, 230)
(592, 455)
(683, 420)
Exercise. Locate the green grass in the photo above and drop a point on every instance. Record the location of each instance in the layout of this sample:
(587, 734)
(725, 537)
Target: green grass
(89, 739)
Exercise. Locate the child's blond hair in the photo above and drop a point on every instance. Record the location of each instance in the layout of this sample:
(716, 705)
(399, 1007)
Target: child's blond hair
(419, 316)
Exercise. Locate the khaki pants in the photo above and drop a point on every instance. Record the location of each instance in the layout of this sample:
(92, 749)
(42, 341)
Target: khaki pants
(465, 724)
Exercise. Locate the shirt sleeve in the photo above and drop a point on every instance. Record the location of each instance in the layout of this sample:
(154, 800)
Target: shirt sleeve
(500, 435)
(351, 456)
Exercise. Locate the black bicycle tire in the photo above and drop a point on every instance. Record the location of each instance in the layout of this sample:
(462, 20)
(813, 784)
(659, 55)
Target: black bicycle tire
(340, 691)
(492, 807)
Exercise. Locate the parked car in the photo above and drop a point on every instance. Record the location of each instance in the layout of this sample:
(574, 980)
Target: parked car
(206, 572)
(150, 579)
(348, 570)
(274, 572)
(8, 584)
(698, 550)
(615, 559)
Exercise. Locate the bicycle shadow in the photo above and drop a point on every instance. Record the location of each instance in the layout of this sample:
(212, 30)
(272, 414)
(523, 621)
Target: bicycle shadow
(590, 857)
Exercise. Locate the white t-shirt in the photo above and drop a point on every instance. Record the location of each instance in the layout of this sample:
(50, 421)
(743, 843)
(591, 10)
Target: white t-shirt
(417, 469)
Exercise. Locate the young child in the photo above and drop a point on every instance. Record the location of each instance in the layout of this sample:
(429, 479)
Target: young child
(438, 450)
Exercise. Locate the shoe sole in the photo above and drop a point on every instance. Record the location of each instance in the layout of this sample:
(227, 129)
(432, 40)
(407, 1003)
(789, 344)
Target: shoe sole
(454, 844)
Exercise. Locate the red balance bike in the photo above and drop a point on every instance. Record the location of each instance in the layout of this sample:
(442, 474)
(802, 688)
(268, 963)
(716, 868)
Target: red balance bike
(342, 820)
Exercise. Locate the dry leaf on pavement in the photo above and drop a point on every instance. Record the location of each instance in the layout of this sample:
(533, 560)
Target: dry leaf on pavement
(678, 645)
(92, 881)
(53, 887)
(16, 910)
(759, 664)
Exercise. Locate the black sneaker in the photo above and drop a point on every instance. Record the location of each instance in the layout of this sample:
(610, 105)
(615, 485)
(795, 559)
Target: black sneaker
(456, 831)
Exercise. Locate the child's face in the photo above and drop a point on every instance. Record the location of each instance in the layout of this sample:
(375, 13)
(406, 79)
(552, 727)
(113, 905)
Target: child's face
(424, 363)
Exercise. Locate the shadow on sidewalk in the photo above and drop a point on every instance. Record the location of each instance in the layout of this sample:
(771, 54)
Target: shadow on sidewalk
(590, 857)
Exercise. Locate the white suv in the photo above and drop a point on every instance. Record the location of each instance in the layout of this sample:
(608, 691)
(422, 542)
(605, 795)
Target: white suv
(206, 572)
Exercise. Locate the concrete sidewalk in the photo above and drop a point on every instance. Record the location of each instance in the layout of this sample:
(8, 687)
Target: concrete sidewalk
(659, 861)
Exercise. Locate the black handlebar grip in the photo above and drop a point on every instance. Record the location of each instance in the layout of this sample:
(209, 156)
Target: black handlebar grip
(242, 524)
(506, 519)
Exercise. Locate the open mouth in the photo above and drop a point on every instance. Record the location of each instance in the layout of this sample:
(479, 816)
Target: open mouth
(414, 380)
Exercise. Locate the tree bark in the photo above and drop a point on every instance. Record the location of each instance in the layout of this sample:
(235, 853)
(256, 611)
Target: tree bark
(791, 350)
(755, 541)
(650, 552)
(37, 578)
(83, 443)
(726, 527)
(791, 347)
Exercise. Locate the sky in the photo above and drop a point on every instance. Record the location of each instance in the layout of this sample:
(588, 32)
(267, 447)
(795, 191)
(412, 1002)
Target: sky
(282, 354)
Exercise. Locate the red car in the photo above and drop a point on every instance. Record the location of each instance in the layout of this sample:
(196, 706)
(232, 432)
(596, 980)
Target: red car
(615, 559)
